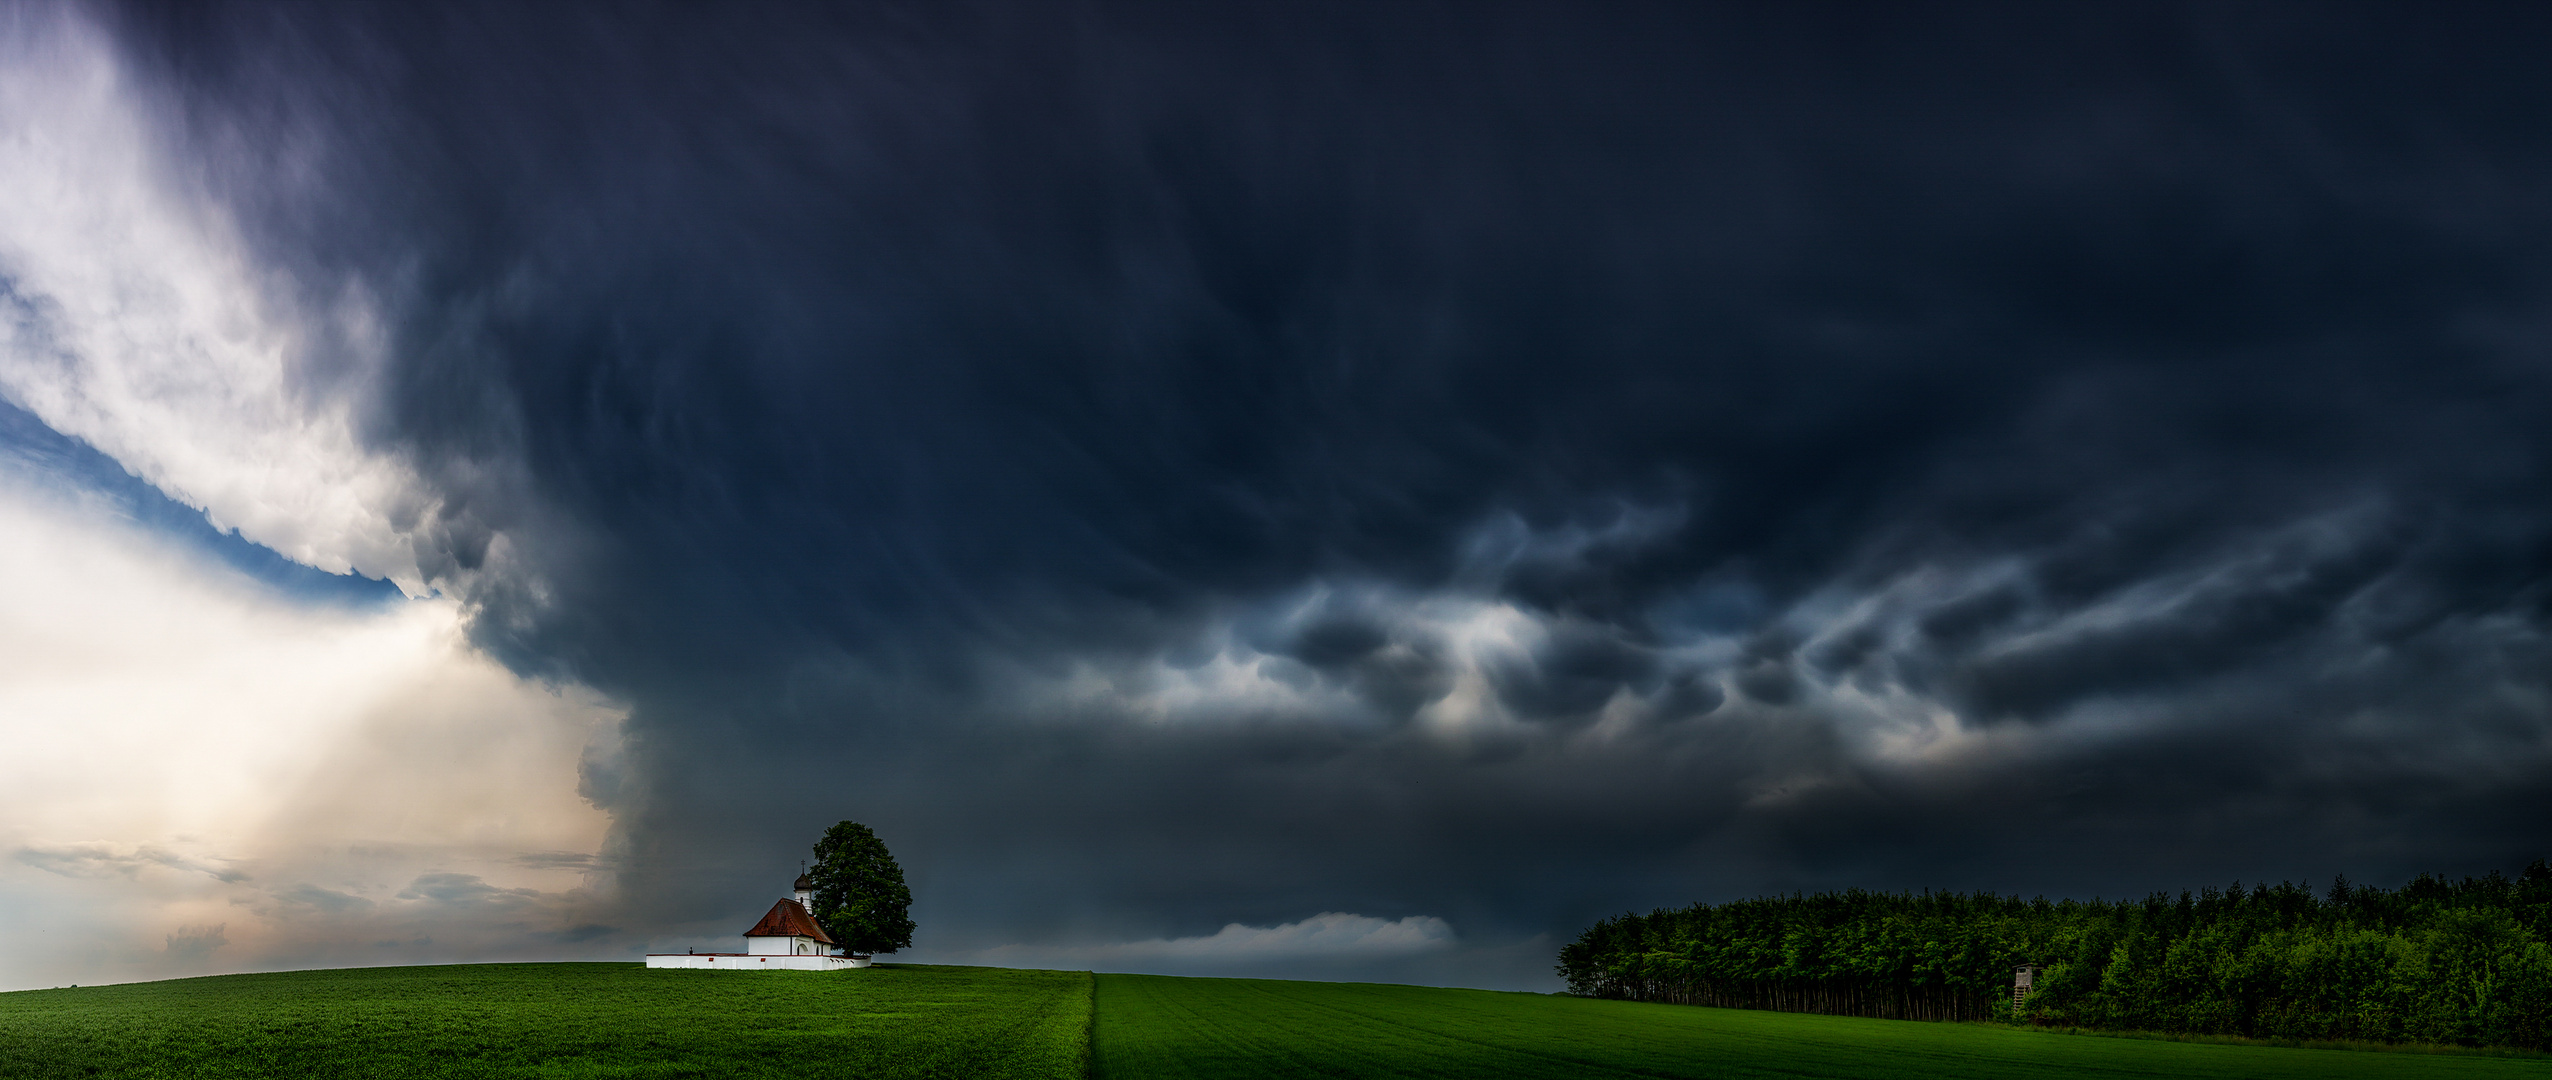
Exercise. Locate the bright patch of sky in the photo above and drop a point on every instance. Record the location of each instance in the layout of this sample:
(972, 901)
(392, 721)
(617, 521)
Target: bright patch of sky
(219, 749)
(201, 772)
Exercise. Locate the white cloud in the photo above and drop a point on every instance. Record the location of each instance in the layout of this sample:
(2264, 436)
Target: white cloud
(132, 317)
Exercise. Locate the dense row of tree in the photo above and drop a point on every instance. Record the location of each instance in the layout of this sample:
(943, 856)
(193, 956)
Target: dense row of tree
(2433, 961)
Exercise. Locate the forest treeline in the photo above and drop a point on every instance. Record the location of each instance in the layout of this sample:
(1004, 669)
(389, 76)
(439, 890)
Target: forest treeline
(2436, 960)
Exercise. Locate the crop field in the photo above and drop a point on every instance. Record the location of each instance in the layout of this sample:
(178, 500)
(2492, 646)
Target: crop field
(558, 1020)
(1156, 1027)
(621, 1020)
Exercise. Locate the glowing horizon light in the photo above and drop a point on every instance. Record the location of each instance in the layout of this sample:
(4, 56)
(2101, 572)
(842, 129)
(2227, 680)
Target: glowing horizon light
(199, 771)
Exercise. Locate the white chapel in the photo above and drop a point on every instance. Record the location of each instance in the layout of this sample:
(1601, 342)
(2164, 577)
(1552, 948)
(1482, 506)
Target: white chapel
(787, 939)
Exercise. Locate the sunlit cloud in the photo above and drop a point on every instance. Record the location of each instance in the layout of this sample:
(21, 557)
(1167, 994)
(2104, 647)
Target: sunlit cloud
(187, 748)
(132, 316)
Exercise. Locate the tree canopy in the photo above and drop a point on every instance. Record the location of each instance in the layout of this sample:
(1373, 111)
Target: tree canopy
(2466, 961)
(859, 891)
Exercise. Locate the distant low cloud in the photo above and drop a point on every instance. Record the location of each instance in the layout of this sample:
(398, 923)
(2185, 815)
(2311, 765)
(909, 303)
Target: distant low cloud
(97, 858)
(459, 889)
(556, 860)
(196, 942)
(1330, 935)
(325, 901)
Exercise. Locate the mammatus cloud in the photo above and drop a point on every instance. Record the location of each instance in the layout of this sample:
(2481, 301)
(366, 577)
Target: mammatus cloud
(1935, 666)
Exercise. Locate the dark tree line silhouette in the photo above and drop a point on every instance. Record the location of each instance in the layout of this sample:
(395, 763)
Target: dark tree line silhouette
(2437, 960)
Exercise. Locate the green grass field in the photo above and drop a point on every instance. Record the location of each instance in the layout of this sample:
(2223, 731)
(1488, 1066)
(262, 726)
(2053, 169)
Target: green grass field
(1155, 1027)
(558, 1020)
(621, 1020)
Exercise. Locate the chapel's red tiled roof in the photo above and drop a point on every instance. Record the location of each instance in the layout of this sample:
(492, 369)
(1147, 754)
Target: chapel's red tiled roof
(787, 919)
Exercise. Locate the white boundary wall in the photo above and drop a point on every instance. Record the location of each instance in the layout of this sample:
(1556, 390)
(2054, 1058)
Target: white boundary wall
(749, 962)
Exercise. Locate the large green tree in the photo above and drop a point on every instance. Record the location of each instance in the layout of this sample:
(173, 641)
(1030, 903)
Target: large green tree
(859, 891)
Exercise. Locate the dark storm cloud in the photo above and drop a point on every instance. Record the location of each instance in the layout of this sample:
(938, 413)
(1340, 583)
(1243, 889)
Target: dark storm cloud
(1714, 398)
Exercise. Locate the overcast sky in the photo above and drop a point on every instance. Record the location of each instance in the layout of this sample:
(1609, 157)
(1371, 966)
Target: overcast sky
(1345, 491)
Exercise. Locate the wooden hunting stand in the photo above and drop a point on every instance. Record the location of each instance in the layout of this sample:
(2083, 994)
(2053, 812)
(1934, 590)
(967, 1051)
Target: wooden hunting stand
(2021, 977)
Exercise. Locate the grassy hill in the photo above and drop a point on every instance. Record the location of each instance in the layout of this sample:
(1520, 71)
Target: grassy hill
(558, 1020)
(1155, 1027)
(621, 1020)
